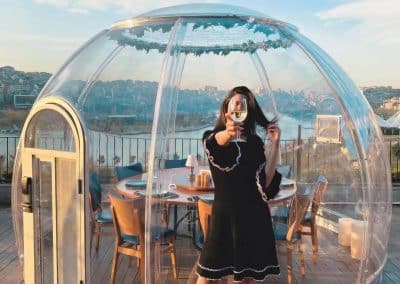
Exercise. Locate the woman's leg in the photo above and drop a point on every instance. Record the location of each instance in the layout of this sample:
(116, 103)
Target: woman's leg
(229, 279)
(248, 280)
(202, 280)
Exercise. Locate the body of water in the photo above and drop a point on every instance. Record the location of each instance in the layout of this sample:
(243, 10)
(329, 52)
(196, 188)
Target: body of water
(125, 149)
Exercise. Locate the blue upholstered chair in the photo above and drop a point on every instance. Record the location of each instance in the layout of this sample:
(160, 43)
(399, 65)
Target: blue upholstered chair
(169, 164)
(129, 231)
(99, 216)
(287, 234)
(285, 170)
(123, 172)
(316, 190)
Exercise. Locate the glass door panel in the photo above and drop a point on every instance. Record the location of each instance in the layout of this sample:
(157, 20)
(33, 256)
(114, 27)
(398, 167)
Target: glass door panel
(44, 241)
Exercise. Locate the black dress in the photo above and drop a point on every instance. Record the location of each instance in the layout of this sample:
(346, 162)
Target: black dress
(240, 239)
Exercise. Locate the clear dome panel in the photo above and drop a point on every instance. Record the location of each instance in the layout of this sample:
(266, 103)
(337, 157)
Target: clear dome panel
(78, 72)
(375, 204)
(318, 127)
(16, 199)
(49, 130)
(206, 9)
(147, 90)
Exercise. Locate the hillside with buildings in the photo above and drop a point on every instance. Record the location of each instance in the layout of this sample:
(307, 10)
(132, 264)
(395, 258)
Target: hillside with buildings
(133, 100)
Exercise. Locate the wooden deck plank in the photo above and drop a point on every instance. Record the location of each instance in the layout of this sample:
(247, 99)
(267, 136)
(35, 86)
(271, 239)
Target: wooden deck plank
(334, 264)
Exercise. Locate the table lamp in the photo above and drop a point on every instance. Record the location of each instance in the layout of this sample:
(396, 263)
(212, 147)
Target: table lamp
(191, 163)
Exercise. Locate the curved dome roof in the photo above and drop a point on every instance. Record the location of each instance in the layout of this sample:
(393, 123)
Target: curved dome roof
(202, 10)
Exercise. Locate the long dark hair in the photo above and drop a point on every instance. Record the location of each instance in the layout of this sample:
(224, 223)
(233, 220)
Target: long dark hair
(255, 115)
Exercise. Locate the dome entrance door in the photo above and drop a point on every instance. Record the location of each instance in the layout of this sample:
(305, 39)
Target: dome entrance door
(53, 197)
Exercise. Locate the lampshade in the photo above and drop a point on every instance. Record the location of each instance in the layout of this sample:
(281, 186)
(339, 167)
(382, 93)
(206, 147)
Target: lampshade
(191, 161)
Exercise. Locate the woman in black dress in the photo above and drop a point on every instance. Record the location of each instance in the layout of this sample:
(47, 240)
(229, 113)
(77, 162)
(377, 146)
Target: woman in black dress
(240, 239)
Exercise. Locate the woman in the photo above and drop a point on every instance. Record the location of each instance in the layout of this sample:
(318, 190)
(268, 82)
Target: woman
(240, 240)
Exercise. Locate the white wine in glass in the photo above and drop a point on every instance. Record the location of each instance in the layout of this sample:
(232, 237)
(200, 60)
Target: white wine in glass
(238, 108)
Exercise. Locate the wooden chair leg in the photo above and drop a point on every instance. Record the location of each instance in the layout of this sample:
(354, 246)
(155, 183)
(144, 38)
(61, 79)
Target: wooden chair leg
(302, 263)
(91, 237)
(142, 265)
(314, 238)
(98, 231)
(289, 264)
(314, 242)
(114, 265)
(173, 257)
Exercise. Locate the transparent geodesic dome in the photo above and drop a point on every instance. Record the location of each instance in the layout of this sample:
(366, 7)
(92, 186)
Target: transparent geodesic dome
(146, 89)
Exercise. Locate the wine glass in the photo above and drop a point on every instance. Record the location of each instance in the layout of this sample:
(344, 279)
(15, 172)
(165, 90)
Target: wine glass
(238, 108)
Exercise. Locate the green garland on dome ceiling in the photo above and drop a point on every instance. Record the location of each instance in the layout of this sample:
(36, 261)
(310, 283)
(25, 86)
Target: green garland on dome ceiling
(132, 37)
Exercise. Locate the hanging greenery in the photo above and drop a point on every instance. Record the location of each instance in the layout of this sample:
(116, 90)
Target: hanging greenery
(134, 36)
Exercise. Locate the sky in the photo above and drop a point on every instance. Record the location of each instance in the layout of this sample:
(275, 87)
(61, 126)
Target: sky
(363, 36)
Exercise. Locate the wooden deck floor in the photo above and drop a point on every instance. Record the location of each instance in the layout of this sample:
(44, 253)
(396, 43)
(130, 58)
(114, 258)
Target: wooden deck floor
(333, 265)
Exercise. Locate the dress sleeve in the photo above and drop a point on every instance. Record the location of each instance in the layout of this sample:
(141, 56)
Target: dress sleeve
(272, 190)
(220, 156)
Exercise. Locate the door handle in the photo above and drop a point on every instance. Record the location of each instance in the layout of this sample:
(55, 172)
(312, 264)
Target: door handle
(26, 187)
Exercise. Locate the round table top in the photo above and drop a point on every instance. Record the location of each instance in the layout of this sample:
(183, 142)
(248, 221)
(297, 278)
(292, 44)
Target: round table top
(164, 180)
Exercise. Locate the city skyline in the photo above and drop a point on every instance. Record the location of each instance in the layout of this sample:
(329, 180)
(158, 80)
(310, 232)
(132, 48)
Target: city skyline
(361, 35)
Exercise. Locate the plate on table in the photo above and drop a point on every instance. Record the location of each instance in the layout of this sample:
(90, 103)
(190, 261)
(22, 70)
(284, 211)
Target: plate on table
(286, 182)
(207, 196)
(136, 183)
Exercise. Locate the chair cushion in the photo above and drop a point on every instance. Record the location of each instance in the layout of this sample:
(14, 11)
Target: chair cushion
(281, 211)
(131, 239)
(307, 218)
(284, 170)
(280, 214)
(95, 190)
(104, 216)
(128, 171)
(169, 164)
(280, 231)
(158, 233)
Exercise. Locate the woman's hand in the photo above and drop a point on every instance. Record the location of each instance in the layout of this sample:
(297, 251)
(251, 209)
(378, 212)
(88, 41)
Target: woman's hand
(232, 127)
(274, 133)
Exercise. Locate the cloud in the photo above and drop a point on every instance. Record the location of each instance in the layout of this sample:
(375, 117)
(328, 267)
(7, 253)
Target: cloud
(120, 6)
(377, 20)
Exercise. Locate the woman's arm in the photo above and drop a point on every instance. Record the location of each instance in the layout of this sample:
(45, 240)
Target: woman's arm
(272, 157)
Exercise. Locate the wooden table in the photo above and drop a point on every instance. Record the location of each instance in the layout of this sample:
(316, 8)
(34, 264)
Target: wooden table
(168, 179)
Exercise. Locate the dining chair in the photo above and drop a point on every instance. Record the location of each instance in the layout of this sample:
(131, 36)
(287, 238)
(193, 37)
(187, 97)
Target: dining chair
(128, 220)
(170, 164)
(284, 169)
(287, 234)
(179, 163)
(309, 220)
(99, 215)
(123, 172)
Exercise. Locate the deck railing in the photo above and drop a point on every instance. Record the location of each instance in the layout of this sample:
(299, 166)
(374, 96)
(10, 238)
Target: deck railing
(109, 151)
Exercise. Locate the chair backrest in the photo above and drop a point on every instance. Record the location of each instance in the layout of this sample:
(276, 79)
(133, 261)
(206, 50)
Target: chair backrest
(123, 172)
(128, 215)
(204, 214)
(284, 170)
(95, 191)
(169, 164)
(297, 211)
(319, 189)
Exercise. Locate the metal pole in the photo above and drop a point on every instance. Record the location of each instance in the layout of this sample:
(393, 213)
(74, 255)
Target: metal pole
(298, 153)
